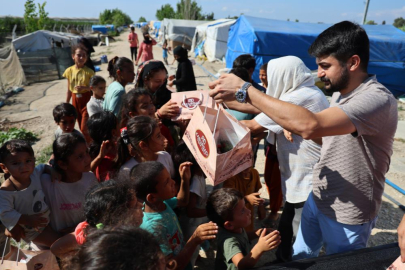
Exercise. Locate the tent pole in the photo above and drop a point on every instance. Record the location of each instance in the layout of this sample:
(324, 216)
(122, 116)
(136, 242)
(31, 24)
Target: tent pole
(365, 12)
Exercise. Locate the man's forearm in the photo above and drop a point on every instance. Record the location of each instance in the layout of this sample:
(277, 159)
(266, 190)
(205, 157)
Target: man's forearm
(242, 107)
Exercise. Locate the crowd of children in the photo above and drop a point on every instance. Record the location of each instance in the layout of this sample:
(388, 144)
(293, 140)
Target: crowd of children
(125, 192)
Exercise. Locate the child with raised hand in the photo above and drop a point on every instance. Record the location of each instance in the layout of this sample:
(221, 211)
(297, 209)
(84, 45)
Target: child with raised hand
(119, 248)
(78, 77)
(154, 186)
(97, 87)
(248, 183)
(121, 69)
(226, 207)
(66, 197)
(65, 116)
(139, 102)
(142, 141)
(110, 203)
(22, 208)
(103, 129)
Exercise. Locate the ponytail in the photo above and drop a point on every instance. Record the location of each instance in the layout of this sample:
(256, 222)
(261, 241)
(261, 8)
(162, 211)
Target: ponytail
(115, 64)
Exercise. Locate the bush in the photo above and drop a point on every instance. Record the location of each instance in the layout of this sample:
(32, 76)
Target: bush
(18, 133)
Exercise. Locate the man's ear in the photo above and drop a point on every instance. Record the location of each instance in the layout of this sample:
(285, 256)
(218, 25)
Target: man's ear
(62, 165)
(228, 225)
(4, 168)
(354, 62)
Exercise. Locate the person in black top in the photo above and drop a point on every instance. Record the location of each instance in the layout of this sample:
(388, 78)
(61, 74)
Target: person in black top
(86, 43)
(184, 79)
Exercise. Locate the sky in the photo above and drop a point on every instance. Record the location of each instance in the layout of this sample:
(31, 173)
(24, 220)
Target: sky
(326, 11)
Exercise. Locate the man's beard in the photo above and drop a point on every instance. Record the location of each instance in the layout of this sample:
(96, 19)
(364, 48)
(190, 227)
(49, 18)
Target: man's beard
(341, 83)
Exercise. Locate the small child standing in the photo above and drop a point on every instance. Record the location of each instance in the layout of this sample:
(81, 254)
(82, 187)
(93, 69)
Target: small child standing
(65, 117)
(226, 207)
(97, 86)
(23, 210)
(248, 183)
(78, 77)
(154, 186)
(165, 51)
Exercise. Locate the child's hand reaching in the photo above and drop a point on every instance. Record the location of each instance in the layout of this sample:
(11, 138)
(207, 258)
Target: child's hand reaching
(205, 231)
(36, 221)
(185, 172)
(269, 241)
(16, 233)
(105, 147)
(254, 199)
(288, 135)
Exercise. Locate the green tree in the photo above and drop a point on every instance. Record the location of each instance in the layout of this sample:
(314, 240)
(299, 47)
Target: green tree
(399, 22)
(30, 15)
(165, 11)
(296, 20)
(142, 19)
(383, 23)
(115, 17)
(188, 10)
(43, 19)
(371, 22)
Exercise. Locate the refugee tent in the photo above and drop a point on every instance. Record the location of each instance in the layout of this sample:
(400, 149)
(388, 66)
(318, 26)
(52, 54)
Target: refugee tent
(180, 32)
(200, 33)
(216, 42)
(267, 39)
(44, 55)
(11, 73)
(103, 28)
(156, 26)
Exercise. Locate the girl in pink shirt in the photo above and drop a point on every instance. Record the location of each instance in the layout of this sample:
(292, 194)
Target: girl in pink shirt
(133, 43)
(145, 49)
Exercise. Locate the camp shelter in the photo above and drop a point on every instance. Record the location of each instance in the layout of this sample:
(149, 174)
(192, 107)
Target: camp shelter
(216, 41)
(268, 39)
(180, 32)
(200, 33)
(11, 73)
(103, 28)
(44, 55)
(156, 26)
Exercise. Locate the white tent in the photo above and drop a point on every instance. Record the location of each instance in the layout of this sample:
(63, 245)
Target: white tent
(216, 42)
(11, 73)
(200, 32)
(43, 39)
(180, 31)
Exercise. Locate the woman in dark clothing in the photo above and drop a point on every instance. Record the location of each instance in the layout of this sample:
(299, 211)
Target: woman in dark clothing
(86, 43)
(184, 80)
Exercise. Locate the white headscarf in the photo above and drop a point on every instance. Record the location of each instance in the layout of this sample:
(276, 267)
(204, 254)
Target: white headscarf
(284, 75)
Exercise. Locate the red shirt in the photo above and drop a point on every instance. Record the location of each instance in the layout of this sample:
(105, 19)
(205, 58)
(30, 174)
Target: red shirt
(104, 168)
(133, 37)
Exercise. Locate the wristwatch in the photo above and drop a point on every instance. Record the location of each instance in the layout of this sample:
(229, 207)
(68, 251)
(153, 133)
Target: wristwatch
(241, 93)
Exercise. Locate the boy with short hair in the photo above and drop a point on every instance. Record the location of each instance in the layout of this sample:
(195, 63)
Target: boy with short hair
(97, 86)
(155, 187)
(226, 207)
(65, 116)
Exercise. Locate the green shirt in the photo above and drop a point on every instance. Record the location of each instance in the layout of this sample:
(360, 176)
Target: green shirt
(113, 98)
(230, 244)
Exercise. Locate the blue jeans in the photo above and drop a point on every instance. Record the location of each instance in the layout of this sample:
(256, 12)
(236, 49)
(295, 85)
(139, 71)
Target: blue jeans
(316, 230)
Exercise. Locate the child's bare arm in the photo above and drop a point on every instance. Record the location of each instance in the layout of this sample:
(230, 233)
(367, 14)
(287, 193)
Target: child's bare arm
(68, 94)
(64, 246)
(103, 150)
(265, 243)
(254, 199)
(33, 221)
(184, 192)
(192, 211)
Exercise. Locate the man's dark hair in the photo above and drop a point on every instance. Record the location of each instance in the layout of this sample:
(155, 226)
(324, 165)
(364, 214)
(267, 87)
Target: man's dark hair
(241, 73)
(342, 41)
(221, 203)
(145, 177)
(62, 110)
(244, 61)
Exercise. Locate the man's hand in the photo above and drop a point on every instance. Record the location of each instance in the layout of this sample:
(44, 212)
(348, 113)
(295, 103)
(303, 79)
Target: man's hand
(37, 221)
(269, 241)
(225, 87)
(401, 238)
(169, 110)
(185, 172)
(205, 231)
(254, 199)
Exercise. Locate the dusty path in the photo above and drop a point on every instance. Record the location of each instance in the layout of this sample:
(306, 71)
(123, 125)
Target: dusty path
(38, 100)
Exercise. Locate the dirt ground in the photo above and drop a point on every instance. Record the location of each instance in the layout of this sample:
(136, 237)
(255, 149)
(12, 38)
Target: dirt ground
(32, 110)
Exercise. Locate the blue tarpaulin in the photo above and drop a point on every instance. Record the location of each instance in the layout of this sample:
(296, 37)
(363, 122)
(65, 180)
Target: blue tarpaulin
(103, 28)
(157, 25)
(268, 39)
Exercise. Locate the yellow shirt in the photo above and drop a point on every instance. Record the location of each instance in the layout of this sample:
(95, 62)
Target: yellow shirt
(246, 186)
(78, 77)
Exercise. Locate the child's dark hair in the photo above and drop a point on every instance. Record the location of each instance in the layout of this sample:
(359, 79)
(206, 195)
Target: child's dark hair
(14, 146)
(264, 67)
(121, 247)
(95, 80)
(78, 46)
(139, 128)
(145, 177)
(62, 110)
(108, 203)
(129, 102)
(100, 126)
(182, 154)
(64, 146)
(221, 203)
(132, 28)
(117, 63)
(241, 73)
(246, 61)
(148, 72)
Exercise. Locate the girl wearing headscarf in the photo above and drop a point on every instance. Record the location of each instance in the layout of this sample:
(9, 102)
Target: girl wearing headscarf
(145, 49)
(184, 79)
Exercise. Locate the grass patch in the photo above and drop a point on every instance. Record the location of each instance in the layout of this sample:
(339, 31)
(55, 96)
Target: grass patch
(399, 140)
(18, 133)
(44, 155)
(400, 108)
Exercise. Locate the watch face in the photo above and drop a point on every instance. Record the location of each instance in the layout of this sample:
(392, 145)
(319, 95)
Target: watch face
(240, 95)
